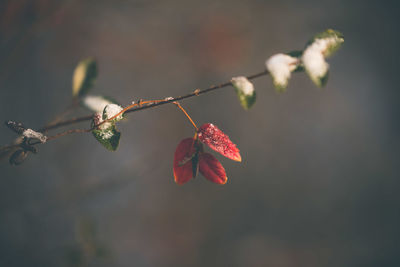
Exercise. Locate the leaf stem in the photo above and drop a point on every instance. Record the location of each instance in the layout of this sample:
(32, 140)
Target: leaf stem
(187, 115)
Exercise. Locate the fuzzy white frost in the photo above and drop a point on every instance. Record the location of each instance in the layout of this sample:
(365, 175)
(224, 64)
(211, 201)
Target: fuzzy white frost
(98, 118)
(29, 133)
(96, 103)
(314, 57)
(111, 110)
(280, 67)
(243, 85)
(106, 134)
(107, 129)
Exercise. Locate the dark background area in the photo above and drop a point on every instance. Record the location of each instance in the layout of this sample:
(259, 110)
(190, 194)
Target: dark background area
(318, 185)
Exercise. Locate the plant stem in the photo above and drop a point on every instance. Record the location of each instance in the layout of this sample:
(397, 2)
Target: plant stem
(186, 114)
(132, 108)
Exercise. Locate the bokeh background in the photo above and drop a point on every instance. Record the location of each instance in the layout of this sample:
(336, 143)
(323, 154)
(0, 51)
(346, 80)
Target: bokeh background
(318, 185)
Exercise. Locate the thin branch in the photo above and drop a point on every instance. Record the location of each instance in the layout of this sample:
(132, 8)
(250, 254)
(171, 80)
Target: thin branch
(152, 104)
(197, 92)
(70, 108)
(65, 123)
(132, 108)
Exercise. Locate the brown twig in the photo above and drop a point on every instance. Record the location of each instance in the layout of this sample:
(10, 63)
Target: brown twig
(129, 109)
(152, 104)
(65, 123)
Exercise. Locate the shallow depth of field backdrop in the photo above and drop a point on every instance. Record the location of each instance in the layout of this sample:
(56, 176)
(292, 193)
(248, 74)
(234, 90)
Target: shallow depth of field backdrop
(318, 185)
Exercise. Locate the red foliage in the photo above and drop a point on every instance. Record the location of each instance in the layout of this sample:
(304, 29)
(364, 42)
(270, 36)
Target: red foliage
(182, 161)
(189, 157)
(217, 140)
(212, 169)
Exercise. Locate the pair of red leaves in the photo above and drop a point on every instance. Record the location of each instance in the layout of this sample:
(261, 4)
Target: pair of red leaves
(190, 158)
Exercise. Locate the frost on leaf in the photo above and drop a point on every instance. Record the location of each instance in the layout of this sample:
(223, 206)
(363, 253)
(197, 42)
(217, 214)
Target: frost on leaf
(332, 41)
(106, 133)
(245, 91)
(29, 133)
(280, 66)
(183, 168)
(109, 138)
(84, 75)
(212, 169)
(321, 46)
(189, 158)
(111, 110)
(96, 103)
(217, 140)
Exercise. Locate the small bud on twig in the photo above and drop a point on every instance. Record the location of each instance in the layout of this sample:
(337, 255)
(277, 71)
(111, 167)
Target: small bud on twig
(15, 126)
(18, 157)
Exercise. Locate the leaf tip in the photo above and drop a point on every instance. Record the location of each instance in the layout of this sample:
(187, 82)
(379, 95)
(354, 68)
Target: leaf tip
(237, 157)
(245, 91)
(84, 76)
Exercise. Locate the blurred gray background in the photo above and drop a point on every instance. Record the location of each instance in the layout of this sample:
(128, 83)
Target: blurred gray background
(318, 185)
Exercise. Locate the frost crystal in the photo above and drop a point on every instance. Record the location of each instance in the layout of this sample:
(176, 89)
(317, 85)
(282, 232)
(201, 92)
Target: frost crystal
(280, 67)
(29, 133)
(242, 84)
(96, 103)
(106, 134)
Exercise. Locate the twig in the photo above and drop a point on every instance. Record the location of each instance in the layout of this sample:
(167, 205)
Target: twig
(153, 104)
(71, 107)
(130, 109)
(65, 123)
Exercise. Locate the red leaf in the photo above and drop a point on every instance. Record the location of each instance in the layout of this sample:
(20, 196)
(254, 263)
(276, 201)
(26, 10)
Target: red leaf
(210, 135)
(184, 153)
(212, 169)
